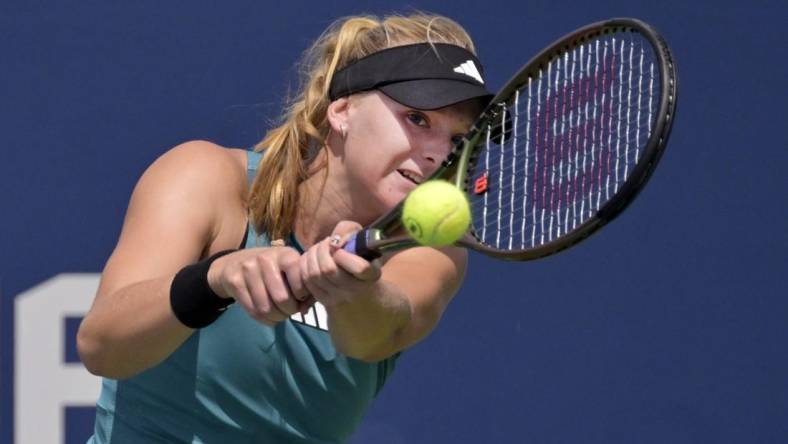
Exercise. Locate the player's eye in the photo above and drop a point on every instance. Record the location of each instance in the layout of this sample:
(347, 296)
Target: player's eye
(418, 119)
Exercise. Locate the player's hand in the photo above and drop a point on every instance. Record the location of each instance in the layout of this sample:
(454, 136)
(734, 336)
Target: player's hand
(266, 282)
(334, 276)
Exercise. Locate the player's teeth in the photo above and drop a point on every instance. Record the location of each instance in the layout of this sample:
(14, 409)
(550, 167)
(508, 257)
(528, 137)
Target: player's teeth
(411, 177)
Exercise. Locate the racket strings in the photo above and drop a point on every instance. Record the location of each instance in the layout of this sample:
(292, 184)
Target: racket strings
(634, 135)
(577, 119)
(568, 140)
(511, 188)
(579, 115)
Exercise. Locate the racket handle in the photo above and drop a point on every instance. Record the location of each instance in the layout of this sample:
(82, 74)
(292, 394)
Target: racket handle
(358, 245)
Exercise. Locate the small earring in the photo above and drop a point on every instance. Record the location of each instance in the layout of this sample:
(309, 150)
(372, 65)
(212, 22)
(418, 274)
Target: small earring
(343, 130)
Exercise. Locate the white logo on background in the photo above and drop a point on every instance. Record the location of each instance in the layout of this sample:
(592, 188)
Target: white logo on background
(469, 69)
(44, 385)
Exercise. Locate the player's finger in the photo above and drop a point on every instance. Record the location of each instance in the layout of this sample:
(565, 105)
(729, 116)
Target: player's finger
(357, 266)
(258, 304)
(278, 291)
(235, 285)
(289, 265)
(294, 280)
(344, 229)
(310, 268)
(329, 270)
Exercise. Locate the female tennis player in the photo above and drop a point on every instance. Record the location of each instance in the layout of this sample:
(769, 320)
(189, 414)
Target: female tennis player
(227, 312)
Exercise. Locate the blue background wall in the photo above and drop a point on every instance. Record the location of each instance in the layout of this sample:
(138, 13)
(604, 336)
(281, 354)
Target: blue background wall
(669, 326)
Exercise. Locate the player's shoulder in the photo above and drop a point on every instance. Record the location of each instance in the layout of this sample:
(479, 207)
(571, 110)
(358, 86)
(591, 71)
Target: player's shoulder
(206, 156)
(203, 164)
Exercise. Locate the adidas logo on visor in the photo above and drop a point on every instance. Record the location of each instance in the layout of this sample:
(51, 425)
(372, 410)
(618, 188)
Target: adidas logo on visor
(469, 69)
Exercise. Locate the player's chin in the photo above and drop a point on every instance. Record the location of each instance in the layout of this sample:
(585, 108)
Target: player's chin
(397, 189)
(390, 199)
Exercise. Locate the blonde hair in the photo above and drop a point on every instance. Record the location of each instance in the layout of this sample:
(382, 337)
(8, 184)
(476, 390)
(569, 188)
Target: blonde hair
(273, 200)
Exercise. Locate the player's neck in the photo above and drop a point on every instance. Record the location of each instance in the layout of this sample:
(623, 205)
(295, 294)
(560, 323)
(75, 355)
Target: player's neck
(327, 197)
(320, 207)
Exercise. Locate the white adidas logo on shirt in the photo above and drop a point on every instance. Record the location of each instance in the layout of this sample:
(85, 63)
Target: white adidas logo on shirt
(317, 317)
(469, 69)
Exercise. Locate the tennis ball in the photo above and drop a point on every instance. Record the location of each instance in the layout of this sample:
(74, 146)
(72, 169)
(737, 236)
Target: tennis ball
(436, 213)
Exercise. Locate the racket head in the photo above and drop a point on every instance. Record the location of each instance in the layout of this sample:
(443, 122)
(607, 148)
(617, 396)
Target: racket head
(498, 126)
(598, 61)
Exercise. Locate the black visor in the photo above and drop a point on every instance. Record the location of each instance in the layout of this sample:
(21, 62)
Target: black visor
(422, 76)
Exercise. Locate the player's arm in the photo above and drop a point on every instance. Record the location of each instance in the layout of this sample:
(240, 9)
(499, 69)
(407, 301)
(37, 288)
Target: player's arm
(374, 314)
(415, 287)
(172, 221)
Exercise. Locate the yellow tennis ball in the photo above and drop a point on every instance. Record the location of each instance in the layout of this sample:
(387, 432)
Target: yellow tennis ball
(436, 213)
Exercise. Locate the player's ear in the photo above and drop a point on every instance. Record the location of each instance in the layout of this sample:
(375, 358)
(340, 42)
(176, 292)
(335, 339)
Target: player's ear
(337, 115)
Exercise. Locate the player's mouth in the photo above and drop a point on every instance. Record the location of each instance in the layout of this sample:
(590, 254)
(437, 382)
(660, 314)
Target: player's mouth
(411, 176)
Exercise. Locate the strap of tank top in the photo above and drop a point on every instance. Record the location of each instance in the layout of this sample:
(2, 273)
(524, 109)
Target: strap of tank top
(252, 160)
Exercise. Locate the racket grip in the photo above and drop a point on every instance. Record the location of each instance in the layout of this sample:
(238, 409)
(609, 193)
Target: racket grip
(359, 246)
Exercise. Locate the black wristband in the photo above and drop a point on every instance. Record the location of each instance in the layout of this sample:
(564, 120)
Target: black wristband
(191, 298)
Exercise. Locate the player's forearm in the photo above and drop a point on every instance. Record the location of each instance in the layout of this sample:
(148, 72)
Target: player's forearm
(367, 327)
(130, 330)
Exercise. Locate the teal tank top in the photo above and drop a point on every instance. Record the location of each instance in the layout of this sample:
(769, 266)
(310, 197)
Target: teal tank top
(240, 381)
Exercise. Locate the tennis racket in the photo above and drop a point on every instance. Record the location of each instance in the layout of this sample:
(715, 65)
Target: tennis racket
(562, 149)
